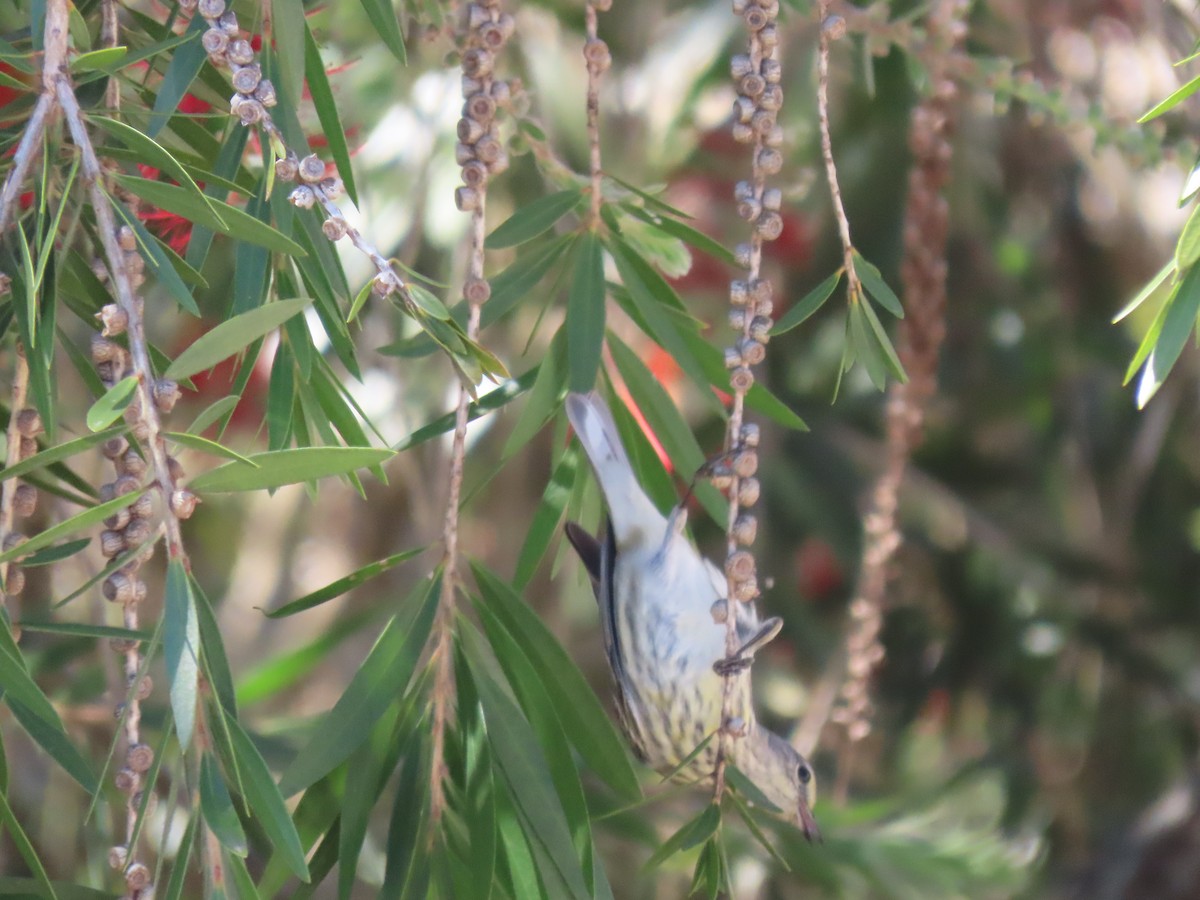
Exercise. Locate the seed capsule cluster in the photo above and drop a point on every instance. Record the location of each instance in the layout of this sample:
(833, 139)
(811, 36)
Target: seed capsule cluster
(757, 76)
(129, 533)
(479, 150)
(226, 49)
(28, 425)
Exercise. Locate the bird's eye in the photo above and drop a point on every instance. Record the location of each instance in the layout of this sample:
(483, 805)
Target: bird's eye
(804, 773)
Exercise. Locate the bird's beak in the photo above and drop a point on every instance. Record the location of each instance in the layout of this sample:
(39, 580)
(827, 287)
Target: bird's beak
(808, 824)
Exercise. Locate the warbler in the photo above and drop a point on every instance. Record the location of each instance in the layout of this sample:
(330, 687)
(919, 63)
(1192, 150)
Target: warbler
(666, 650)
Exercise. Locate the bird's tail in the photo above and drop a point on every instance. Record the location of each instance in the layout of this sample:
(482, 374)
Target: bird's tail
(629, 507)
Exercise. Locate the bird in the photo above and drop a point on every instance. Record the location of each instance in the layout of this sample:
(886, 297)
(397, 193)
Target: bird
(665, 649)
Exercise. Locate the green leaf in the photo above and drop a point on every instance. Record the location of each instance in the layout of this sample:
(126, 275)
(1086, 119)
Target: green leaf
(217, 807)
(327, 112)
(525, 772)
(211, 213)
(546, 518)
(210, 414)
(1187, 250)
(884, 343)
(666, 423)
(214, 662)
(695, 832)
(809, 304)
(344, 584)
(86, 519)
(112, 404)
(37, 716)
(584, 720)
(544, 397)
(585, 315)
(276, 468)
(233, 336)
(1177, 324)
(863, 344)
(204, 445)
(26, 850)
(288, 29)
(152, 153)
(82, 629)
(874, 285)
(181, 642)
(698, 240)
(407, 873)
(54, 554)
(428, 303)
(1174, 99)
(265, 802)
(533, 219)
(179, 867)
(380, 679)
(383, 16)
(1146, 292)
(106, 59)
(655, 300)
(58, 453)
(185, 64)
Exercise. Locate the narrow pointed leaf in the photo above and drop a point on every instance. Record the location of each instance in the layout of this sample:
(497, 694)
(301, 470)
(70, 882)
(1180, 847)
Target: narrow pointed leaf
(265, 802)
(585, 315)
(112, 404)
(86, 519)
(695, 832)
(533, 219)
(181, 643)
(233, 336)
(809, 304)
(276, 468)
(217, 806)
(342, 585)
(873, 283)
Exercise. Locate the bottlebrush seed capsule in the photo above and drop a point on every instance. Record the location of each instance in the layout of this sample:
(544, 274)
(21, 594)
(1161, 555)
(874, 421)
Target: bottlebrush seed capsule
(302, 196)
(183, 503)
(312, 169)
(29, 422)
(113, 319)
(286, 169)
(756, 18)
(210, 9)
(166, 394)
(474, 173)
(240, 52)
(137, 532)
(118, 588)
(478, 63)
(739, 565)
(127, 781)
(332, 187)
(746, 591)
(137, 877)
(751, 351)
(215, 40)
(112, 543)
(140, 757)
(25, 500)
(265, 93)
(748, 491)
(477, 291)
(334, 228)
(15, 583)
(466, 198)
(741, 379)
(750, 435)
(745, 529)
(745, 463)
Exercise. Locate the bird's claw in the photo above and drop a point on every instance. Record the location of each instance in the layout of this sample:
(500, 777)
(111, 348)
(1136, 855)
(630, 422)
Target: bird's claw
(731, 665)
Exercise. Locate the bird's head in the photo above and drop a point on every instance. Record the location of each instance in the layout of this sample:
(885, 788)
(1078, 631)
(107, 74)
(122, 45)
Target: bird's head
(784, 776)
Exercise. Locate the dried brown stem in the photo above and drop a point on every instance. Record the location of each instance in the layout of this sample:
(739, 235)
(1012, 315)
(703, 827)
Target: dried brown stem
(832, 28)
(487, 30)
(593, 55)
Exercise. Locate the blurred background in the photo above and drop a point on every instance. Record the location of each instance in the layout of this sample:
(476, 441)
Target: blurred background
(1035, 731)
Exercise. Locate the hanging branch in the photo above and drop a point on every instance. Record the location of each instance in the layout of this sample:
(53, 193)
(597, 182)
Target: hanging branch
(923, 273)
(251, 105)
(833, 28)
(598, 59)
(481, 155)
(757, 74)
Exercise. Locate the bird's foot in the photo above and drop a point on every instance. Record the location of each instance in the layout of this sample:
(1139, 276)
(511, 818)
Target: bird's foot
(732, 665)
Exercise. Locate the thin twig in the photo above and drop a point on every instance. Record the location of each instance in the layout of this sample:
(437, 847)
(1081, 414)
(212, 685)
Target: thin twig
(24, 158)
(8, 493)
(595, 52)
(832, 28)
(486, 35)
